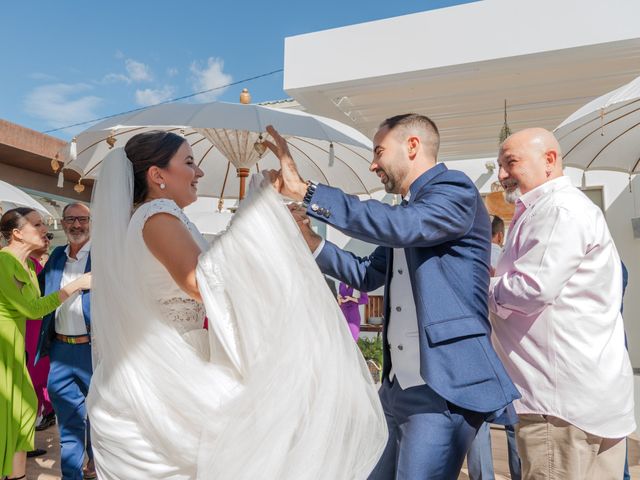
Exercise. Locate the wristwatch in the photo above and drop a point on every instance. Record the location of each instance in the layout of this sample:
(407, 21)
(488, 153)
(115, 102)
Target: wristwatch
(311, 189)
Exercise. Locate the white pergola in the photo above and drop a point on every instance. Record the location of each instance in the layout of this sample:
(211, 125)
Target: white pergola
(457, 65)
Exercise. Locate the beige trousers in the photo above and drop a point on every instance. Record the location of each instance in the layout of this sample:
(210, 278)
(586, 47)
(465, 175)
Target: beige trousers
(553, 449)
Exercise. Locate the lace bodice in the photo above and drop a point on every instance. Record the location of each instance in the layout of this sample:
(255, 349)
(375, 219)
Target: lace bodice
(175, 306)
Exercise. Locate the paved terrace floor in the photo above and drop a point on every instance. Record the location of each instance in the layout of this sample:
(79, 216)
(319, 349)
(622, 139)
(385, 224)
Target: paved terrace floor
(47, 467)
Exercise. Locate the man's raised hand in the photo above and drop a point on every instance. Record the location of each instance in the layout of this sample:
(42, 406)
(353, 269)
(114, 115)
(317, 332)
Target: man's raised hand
(291, 184)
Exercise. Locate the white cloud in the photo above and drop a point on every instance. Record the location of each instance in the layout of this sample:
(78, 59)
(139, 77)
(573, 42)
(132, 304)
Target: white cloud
(150, 96)
(172, 72)
(138, 71)
(209, 76)
(116, 77)
(42, 76)
(119, 54)
(61, 104)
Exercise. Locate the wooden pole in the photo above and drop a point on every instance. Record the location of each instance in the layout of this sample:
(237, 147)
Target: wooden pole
(242, 173)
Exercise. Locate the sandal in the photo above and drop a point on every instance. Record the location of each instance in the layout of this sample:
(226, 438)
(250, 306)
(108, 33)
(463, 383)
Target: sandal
(89, 471)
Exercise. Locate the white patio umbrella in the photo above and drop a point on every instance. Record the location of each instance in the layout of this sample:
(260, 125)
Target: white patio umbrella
(204, 215)
(605, 133)
(225, 134)
(11, 197)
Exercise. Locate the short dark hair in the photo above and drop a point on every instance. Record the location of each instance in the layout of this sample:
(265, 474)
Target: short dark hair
(146, 150)
(497, 225)
(419, 122)
(73, 204)
(13, 219)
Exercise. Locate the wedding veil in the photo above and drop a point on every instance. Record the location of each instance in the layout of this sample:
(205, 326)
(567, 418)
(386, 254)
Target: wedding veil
(287, 395)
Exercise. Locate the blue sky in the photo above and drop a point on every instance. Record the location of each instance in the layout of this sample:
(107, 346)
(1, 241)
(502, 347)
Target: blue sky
(68, 62)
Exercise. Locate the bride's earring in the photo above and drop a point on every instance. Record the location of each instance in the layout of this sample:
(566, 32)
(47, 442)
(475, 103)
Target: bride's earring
(162, 186)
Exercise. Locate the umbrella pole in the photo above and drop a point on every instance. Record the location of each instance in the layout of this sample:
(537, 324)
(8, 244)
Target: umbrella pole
(242, 173)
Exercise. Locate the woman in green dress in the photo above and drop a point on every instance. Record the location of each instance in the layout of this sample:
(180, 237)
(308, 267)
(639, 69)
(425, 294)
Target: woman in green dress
(24, 232)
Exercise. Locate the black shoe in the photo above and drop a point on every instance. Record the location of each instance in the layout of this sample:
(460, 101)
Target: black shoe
(36, 453)
(48, 420)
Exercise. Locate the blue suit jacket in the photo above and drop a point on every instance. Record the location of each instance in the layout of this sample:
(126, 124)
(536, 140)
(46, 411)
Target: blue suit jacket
(446, 235)
(50, 279)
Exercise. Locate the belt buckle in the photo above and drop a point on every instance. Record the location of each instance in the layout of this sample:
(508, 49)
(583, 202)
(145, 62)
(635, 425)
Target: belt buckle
(71, 340)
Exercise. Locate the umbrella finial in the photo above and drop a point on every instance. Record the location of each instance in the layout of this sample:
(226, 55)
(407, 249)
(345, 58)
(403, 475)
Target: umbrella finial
(61, 179)
(245, 97)
(505, 131)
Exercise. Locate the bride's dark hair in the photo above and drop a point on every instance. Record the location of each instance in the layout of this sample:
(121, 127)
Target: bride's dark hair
(148, 149)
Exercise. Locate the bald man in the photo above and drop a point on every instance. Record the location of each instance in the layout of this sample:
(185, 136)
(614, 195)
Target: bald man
(555, 309)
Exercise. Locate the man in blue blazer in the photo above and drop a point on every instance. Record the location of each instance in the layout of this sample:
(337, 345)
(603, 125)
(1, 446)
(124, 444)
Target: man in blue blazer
(65, 337)
(441, 376)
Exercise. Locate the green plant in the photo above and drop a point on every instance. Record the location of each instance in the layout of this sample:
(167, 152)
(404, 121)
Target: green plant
(371, 349)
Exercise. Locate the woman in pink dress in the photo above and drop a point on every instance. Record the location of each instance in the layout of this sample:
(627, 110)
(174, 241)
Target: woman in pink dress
(350, 304)
(40, 372)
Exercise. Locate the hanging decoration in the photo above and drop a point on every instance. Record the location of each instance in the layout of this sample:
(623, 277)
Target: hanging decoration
(505, 131)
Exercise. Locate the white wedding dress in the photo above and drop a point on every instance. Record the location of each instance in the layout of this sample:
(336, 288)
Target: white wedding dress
(276, 389)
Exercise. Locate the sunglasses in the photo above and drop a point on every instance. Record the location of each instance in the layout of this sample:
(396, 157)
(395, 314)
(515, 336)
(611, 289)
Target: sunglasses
(71, 220)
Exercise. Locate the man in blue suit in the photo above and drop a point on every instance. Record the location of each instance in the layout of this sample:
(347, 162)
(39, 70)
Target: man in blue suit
(441, 376)
(65, 337)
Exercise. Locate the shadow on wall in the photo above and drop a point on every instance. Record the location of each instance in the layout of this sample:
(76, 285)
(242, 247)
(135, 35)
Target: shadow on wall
(619, 214)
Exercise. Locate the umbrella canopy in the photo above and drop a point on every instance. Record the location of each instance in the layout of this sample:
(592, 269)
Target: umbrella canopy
(204, 215)
(224, 134)
(11, 197)
(605, 133)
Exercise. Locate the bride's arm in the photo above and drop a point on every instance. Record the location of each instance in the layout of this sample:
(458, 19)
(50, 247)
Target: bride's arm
(172, 244)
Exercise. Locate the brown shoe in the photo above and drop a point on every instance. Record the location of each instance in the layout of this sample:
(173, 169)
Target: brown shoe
(89, 470)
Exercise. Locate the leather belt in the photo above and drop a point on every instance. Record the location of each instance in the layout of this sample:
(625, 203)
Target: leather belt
(77, 340)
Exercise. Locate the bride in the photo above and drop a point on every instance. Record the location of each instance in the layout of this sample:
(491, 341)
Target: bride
(276, 389)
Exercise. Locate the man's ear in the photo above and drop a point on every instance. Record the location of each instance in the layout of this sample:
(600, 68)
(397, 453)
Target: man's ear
(413, 145)
(550, 159)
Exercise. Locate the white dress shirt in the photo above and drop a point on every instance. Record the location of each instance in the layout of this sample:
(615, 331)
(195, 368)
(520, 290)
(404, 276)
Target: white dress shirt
(69, 315)
(555, 310)
(496, 251)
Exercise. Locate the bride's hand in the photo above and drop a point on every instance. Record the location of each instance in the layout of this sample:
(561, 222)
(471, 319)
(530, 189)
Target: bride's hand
(274, 178)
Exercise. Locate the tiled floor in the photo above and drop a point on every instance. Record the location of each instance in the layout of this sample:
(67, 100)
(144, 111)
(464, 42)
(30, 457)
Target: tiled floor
(47, 467)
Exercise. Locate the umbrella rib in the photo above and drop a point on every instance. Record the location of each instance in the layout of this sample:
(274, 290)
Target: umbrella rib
(337, 157)
(224, 183)
(205, 154)
(609, 143)
(314, 163)
(599, 128)
(103, 139)
(578, 127)
(327, 151)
